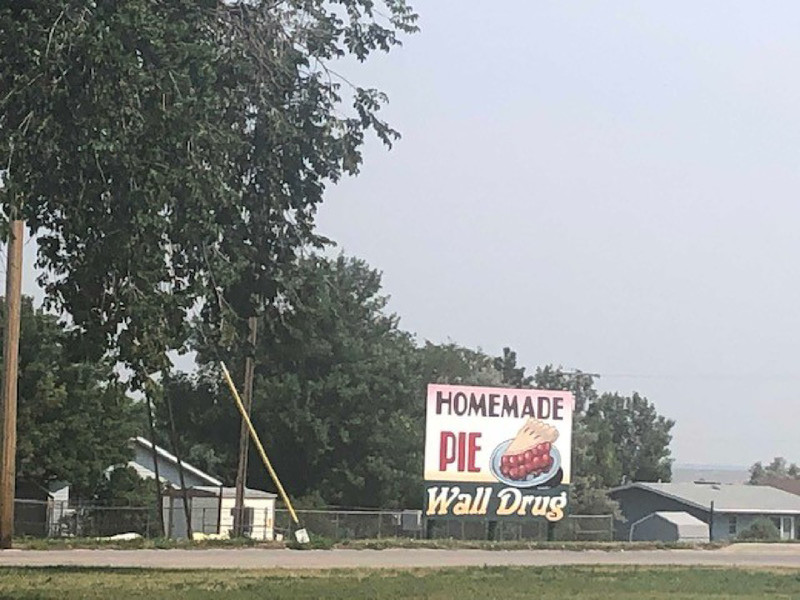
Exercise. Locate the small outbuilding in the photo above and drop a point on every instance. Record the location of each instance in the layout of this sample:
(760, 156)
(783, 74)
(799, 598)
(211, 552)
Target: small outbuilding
(212, 511)
(39, 511)
(669, 526)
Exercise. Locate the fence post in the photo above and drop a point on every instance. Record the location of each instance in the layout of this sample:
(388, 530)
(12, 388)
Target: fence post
(379, 524)
(48, 516)
(171, 524)
(336, 526)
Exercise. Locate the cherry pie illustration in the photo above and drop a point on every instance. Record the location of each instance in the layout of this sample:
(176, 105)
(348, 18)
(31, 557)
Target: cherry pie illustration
(529, 452)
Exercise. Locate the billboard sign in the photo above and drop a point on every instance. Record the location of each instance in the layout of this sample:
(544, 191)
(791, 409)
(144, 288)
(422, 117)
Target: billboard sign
(495, 453)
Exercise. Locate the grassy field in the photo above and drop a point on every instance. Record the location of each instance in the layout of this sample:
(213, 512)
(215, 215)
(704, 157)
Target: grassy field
(575, 583)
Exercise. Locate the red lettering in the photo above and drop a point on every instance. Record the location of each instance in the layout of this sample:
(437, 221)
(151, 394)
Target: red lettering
(473, 451)
(459, 449)
(447, 449)
(462, 451)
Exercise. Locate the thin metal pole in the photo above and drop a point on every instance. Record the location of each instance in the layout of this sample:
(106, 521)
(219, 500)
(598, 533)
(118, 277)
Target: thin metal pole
(257, 442)
(244, 446)
(9, 394)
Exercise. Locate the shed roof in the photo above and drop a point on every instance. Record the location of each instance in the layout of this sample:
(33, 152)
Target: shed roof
(230, 492)
(171, 458)
(679, 518)
(726, 498)
(226, 492)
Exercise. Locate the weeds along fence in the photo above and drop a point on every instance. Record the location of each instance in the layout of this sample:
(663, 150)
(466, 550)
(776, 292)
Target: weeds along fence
(34, 518)
(44, 519)
(375, 524)
(53, 519)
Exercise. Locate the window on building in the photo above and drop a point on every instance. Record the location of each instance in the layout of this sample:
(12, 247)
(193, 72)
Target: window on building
(732, 525)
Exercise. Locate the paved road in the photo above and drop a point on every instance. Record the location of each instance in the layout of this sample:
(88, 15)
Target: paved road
(744, 555)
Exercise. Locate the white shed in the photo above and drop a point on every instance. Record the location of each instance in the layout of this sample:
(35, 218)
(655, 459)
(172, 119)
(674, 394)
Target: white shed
(666, 526)
(212, 511)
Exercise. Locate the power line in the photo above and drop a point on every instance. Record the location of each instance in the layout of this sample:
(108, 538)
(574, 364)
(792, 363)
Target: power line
(705, 376)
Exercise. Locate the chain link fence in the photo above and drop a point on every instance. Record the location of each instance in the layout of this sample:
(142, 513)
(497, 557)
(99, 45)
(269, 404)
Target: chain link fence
(35, 518)
(375, 524)
(572, 528)
(43, 519)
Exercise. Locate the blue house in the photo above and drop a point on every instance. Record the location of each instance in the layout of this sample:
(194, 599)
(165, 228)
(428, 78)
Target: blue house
(727, 509)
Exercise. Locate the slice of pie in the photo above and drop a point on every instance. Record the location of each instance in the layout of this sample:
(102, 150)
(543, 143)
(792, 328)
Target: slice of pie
(529, 452)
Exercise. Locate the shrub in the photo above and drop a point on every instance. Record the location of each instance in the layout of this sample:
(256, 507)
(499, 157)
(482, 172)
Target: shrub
(761, 529)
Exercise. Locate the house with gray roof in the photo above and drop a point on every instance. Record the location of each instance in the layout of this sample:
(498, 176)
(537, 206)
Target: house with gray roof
(145, 456)
(728, 509)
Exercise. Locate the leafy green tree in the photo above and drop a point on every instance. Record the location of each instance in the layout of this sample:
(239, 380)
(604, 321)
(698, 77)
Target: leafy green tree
(513, 376)
(756, 473)
(614, 438)
(121, 487)
(631, 440)
(779, 468)
(588, 483)
(172, 153)
(579, 383)
(74, 418)
(205, 419)
(337, 395)
(457, 365)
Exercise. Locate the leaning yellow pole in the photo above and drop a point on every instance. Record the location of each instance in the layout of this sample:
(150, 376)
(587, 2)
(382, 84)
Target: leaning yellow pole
(257, 442)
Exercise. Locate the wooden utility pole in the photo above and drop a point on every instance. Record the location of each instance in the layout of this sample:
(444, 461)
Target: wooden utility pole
(176, 450)
(244, 441)
(10, 368)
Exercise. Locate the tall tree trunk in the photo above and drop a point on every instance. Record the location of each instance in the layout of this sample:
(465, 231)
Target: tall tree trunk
(185, 494)
(159, 496)
(244, 436)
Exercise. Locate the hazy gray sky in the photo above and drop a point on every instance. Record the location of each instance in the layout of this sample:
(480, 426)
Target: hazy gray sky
(609, 186)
